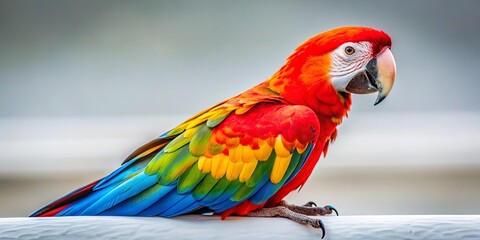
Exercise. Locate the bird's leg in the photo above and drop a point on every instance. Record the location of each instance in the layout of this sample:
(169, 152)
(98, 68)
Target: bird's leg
(282, 211)
(309, 208)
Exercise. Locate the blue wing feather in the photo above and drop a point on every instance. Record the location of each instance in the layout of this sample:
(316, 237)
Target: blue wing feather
(127, 189)
(135, 205)
(186, 205)
(163, 204)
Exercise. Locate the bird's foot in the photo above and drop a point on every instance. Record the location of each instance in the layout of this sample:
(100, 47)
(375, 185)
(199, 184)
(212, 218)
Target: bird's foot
(310, 208)
(282, 211)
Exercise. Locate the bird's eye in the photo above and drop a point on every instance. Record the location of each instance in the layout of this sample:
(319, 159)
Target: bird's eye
(349, 50)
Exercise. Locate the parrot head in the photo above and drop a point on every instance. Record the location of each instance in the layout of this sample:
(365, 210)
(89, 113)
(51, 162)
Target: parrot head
(363, 63)
(343, 60)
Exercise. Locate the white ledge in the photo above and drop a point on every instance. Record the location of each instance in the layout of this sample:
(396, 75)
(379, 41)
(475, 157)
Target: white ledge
(211, 227)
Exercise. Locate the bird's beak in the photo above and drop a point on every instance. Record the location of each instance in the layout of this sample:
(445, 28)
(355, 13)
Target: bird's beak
(378, 76)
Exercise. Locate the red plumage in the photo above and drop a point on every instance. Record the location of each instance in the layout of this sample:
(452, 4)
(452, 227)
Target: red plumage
(53, 208)
(296, 109)
(304, 83)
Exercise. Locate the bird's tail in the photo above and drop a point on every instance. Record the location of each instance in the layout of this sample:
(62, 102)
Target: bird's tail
(57, 206)
(78, 201)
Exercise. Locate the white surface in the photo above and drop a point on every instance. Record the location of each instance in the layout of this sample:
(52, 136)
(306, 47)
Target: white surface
(439, 227)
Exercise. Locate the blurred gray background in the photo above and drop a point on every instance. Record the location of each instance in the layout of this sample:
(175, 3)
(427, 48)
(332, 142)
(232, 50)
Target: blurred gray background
(83, 83)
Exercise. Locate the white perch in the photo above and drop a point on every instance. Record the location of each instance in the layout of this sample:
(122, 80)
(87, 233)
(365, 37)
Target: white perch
(436, 227)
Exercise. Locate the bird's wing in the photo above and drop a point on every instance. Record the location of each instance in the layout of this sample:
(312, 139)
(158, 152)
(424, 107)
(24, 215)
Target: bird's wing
(216, 160)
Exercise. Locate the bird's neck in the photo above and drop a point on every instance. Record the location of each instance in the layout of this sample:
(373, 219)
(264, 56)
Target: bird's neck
(313, 90)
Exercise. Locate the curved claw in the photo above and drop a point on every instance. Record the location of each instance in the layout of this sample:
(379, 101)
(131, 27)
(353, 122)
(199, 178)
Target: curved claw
(310, 204)
(319, 224)
(332, 208)
(322, 226)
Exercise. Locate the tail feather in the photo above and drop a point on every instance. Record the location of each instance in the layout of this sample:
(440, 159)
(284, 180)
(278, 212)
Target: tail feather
(57, 206)
(116, 185)
(118, 194)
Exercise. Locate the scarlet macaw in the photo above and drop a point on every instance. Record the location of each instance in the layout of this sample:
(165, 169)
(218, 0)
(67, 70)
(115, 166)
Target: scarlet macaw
(245, 154)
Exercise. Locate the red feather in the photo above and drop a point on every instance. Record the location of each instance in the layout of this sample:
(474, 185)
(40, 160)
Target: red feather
(304, 80)
(276, 107)
(53, 208)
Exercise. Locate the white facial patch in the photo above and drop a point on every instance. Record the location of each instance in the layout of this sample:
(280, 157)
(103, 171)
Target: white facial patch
(345, 66)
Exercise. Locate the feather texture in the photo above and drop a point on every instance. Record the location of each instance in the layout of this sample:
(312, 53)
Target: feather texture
(244, 153)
